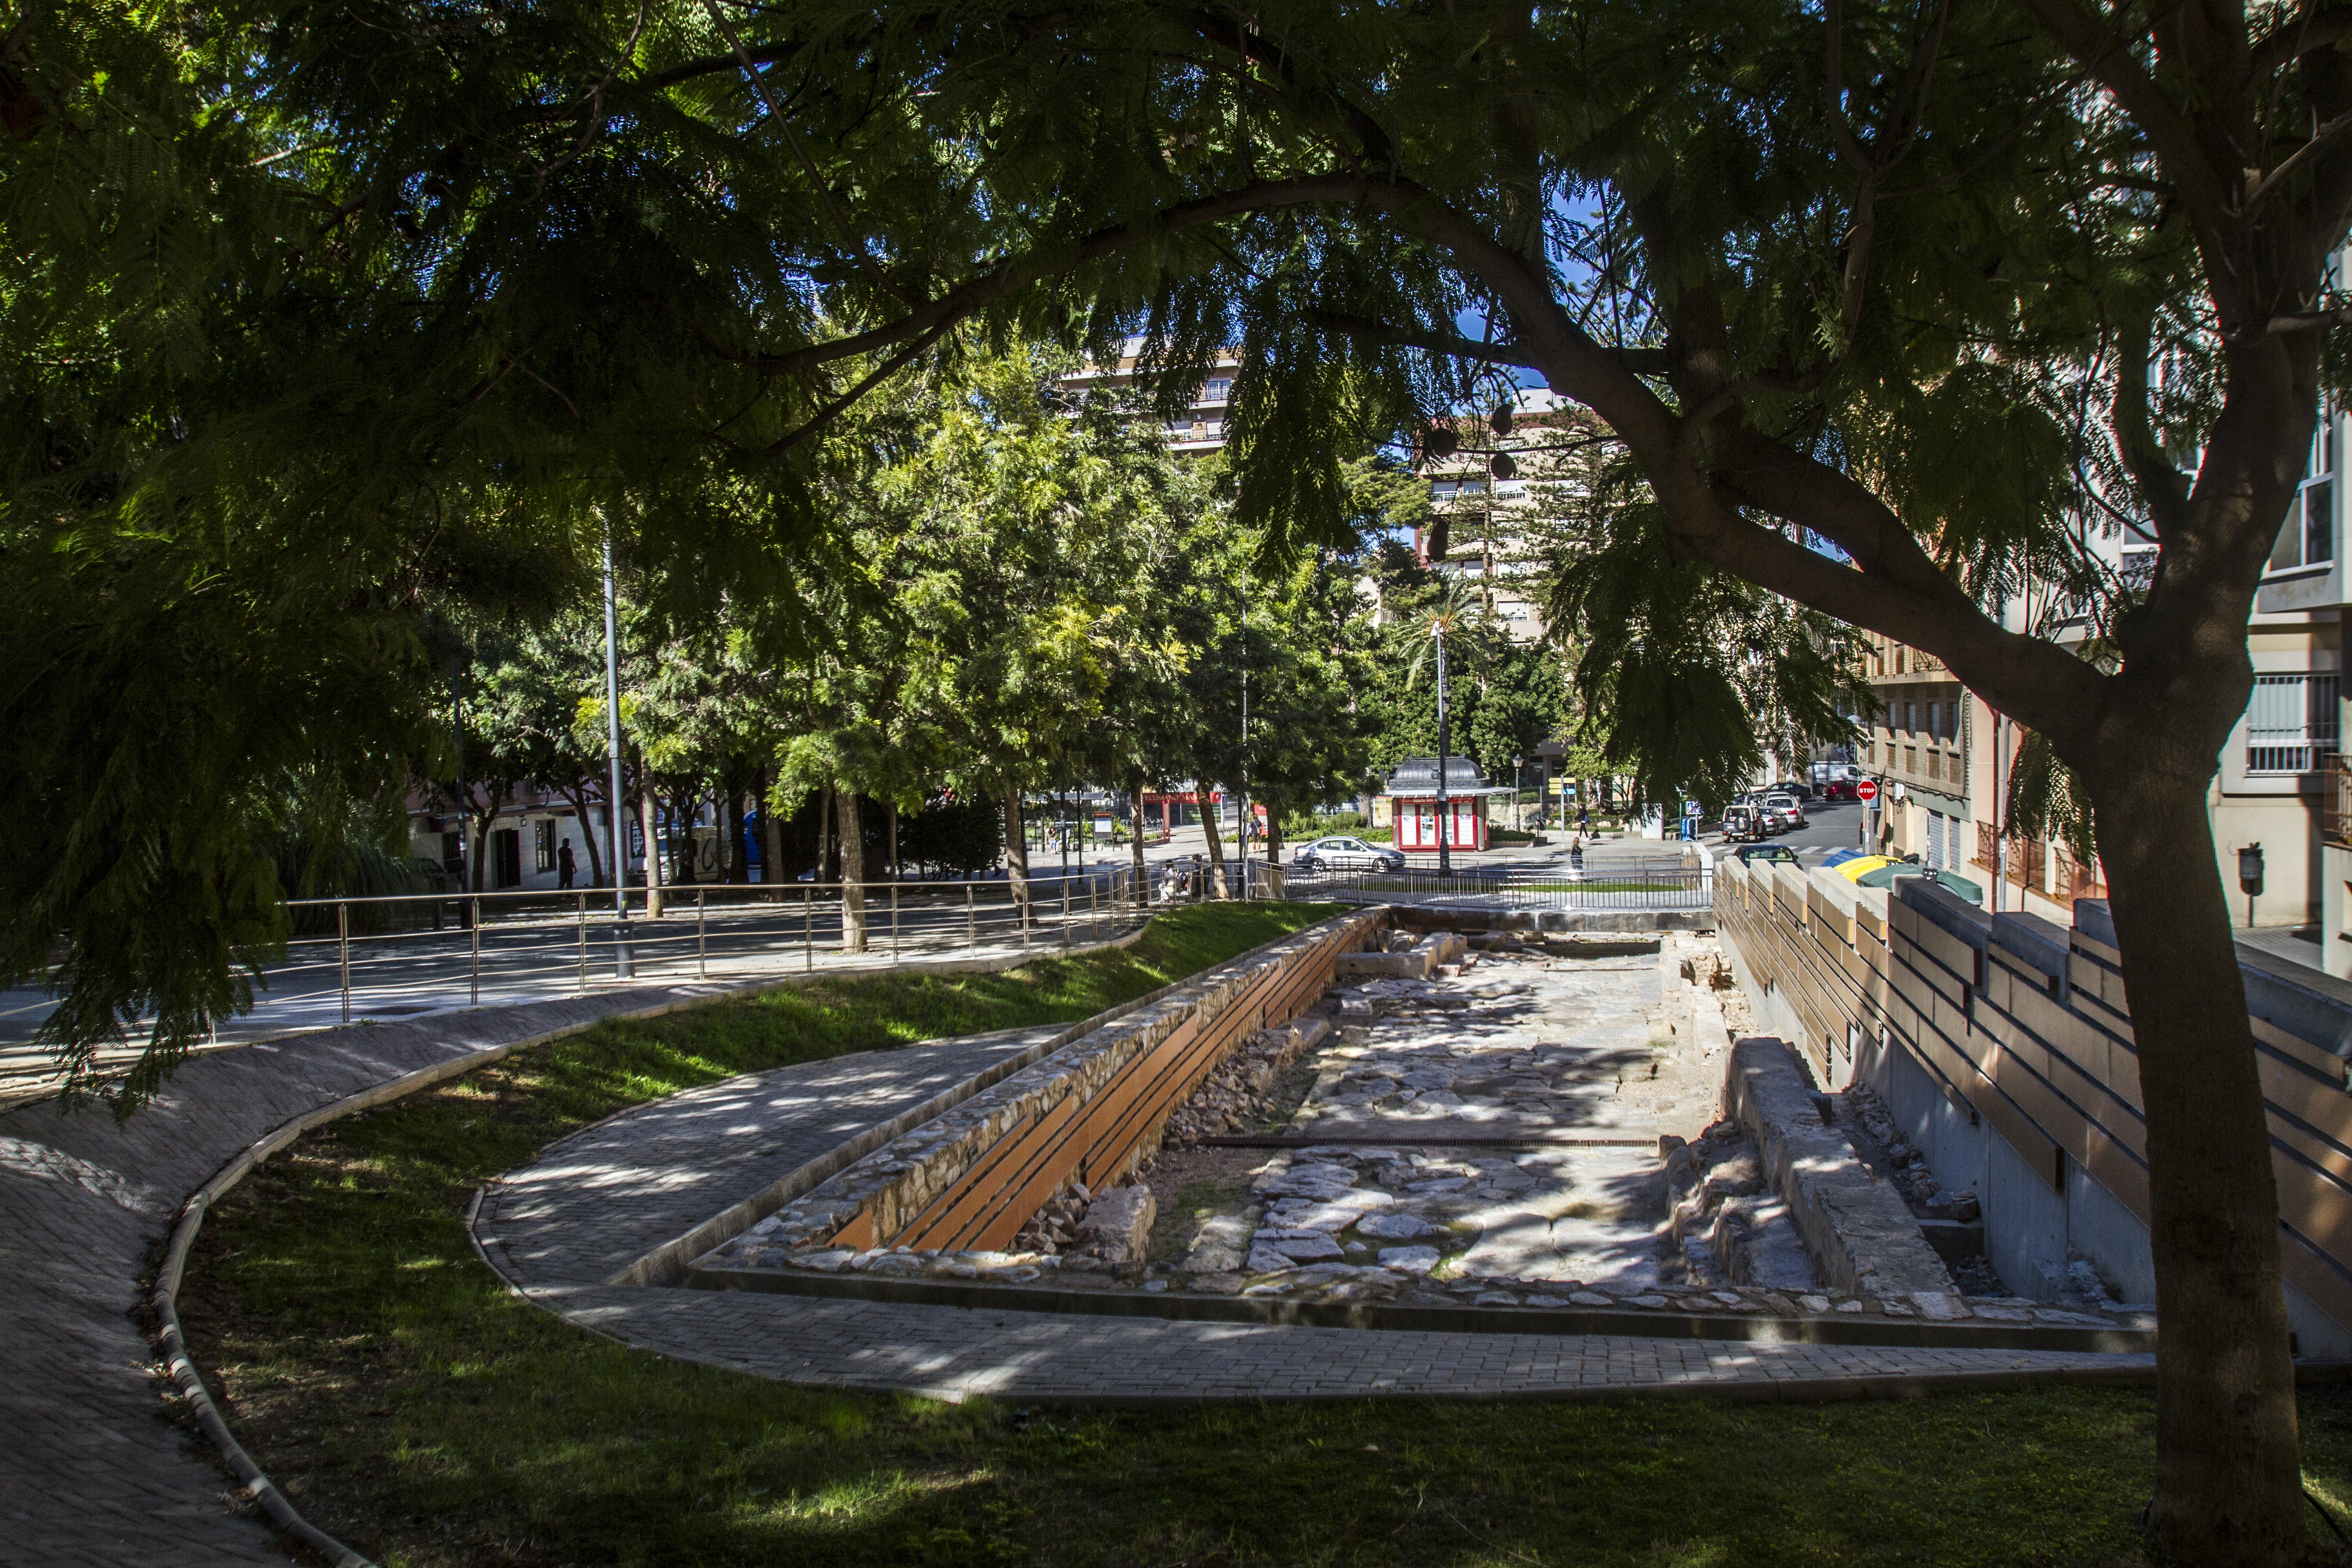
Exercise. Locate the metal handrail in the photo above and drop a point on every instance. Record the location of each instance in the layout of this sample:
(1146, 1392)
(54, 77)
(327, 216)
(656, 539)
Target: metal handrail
(537, 942)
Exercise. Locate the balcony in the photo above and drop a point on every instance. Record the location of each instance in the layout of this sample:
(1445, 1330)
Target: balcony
(2335, 804)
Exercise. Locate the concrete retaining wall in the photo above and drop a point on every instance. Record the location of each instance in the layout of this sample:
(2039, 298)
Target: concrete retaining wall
(2002, 1045)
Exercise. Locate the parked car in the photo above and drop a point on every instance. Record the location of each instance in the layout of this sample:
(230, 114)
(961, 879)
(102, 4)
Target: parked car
(1742, 822)
(1786, 807)
(1839, 789)
(1797, 787)
(1344, 853)
(1764, 854)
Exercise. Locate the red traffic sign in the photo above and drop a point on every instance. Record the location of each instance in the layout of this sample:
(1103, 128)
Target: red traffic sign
(1867, 790)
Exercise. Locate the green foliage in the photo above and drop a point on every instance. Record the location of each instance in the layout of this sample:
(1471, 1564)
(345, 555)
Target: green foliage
(2047, 800)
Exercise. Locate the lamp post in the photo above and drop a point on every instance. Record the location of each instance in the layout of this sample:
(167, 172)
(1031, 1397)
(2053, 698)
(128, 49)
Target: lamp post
(622, 959)
(1445, 827)
(1518, 803)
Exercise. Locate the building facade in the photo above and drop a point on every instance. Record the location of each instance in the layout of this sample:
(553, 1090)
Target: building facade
(1201, 428)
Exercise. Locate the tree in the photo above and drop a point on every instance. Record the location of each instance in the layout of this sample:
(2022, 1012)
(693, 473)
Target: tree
(1808, 281)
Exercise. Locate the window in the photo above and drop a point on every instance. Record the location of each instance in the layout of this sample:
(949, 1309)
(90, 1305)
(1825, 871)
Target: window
(2308, 536)
(543, 844)
(1218, 389)
(2291, 723)
(1937, 853)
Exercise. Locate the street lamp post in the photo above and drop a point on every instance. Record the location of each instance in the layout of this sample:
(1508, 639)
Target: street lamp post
(1519, 799)
(1444, 826)
(622, 959)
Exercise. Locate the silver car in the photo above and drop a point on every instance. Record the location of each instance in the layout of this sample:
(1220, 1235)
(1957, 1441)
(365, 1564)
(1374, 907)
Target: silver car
(1343, 854)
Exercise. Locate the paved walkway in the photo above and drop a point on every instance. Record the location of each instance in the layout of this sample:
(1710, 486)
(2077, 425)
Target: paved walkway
(562, 1225)
(90, 1469)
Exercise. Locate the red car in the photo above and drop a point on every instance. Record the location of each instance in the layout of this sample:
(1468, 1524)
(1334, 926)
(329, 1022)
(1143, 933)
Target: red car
(1838, 789)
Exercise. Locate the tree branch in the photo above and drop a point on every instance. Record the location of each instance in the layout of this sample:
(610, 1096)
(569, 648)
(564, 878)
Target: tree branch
(2197, 184)
(2314, 26)
(1010, 276)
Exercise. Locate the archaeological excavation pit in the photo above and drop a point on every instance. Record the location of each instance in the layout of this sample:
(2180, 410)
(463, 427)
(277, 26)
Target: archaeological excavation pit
(1371, 1122)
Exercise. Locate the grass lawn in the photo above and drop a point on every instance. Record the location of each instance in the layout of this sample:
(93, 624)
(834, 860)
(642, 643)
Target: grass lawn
(413, 1409)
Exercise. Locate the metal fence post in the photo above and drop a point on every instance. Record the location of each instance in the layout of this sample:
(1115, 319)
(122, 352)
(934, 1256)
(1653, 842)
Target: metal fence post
(582, 901)
(970, 920)
(894, 922)
(474, 927)
(1094, 910)
(701, 946)
(808, 926)
(1066, 912)
(344, 953)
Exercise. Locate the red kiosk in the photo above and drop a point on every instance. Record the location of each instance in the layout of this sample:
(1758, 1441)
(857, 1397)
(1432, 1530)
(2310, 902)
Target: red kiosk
(1412, 789)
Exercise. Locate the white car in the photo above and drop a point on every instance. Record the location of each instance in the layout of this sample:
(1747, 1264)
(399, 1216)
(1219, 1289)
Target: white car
(1343, 854)
(1786, 807)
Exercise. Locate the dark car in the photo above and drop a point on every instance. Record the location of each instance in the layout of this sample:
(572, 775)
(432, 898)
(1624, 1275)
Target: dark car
(1751, 854)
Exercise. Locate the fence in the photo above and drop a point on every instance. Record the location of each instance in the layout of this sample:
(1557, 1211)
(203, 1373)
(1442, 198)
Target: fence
(388, 956)
(1667, 885)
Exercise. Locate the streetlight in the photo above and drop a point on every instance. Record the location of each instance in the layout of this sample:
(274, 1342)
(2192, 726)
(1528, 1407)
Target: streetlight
(1518, 805)
(1445, 827)
(622, 959)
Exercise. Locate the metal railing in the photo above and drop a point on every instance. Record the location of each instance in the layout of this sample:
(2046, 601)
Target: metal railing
(1632, 886)
(392, 957)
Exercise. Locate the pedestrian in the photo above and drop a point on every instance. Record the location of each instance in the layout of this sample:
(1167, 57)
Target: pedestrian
(563, 865)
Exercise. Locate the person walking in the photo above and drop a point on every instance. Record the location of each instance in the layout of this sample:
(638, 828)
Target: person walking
(563, 864)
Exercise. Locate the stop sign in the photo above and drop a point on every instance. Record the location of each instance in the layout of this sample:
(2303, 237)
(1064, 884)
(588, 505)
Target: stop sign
(1867, 790)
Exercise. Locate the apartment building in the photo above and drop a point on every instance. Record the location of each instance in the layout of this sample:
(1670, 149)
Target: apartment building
(1943, 755)
(1201, 428)
(1489, 496)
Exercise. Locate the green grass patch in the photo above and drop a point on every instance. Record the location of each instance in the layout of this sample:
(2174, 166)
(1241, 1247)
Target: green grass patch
(412, 1407)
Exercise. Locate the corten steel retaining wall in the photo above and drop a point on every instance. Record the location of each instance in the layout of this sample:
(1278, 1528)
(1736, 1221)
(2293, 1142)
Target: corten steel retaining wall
(2002, 1045)
(1092, 1111)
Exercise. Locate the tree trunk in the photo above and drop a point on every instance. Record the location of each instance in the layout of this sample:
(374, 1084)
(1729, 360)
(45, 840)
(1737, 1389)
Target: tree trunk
(1273, 832)
(771, 832)
(681, 840)
(739, 863)
(891, 818)
(2228, 1466)
(1016, 854)
(825, 835)
(1217, 888)
(853, 875)
(645, 824)
(1135, 810)
(581, 810)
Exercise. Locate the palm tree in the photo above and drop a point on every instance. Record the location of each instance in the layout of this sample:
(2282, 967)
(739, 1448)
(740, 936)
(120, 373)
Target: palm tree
(1454, 613)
